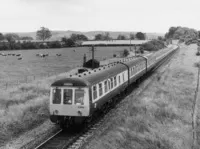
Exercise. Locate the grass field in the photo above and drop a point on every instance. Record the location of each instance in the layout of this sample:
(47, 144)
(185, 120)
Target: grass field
(32, 67)
(25, 106)
(160, 118)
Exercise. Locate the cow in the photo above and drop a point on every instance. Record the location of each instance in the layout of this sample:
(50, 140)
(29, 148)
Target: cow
(58, 54)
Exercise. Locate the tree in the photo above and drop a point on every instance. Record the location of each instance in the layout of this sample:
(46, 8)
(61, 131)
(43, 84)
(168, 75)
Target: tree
(182, 33)
(198, 34)
(11, 38)
(43, 34)
(78, 37)
(107, 36)
(68, 42)
(121, 37)
(132, 36)
(99, 37)
(1, 37)
(153, 45)
(161, 38)
(125, 53)
(140, 36)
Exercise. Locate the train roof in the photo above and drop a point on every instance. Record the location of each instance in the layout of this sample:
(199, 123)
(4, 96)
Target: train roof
(96, 75)
(104, 73)
(71, 82)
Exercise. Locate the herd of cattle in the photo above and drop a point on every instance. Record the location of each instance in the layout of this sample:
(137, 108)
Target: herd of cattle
(20, 56)
(45, 55)
(12, 54)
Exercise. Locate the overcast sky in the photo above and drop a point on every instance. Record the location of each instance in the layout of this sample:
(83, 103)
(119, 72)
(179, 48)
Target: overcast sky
(90, 15)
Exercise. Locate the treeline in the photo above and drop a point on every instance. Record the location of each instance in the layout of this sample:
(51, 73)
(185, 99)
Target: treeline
(13, 41)
(182, 33)
(33, 45)
(106, 36)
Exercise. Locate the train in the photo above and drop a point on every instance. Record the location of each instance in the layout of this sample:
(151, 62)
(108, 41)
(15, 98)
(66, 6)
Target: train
(76, 97)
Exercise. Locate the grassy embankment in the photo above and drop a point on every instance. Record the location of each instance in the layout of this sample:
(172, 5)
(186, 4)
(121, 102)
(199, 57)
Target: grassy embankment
(26, 106)
(160, 118)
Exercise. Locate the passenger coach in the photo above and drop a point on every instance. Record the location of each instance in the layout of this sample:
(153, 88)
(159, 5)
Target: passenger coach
(74, 98)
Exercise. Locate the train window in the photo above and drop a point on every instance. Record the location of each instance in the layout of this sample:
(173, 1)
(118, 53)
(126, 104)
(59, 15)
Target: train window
(123, 77)
(119, 79)
(100, 89)
(115, 81)
(105, 86)
(56, 96)
(94, 92)
(79, 96)
(111, 83)
(132, 69)
(67, 96)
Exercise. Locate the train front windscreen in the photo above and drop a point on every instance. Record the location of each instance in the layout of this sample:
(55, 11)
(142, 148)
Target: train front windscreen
(68, 96)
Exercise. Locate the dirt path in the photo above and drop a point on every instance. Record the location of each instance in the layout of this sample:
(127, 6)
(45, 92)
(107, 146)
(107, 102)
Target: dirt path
(161, 116)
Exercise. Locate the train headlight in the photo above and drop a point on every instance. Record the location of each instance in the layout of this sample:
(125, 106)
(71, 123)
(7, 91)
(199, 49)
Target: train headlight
(79, 113)
(55, 112)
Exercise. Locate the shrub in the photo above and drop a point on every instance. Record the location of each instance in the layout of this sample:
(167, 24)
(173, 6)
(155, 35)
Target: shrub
(54, 44)
(142, 51)
(153, 45)
(198, 53)
(43, 46)
(125, 53)
(4, 46)
(30, 45)
(17, 46)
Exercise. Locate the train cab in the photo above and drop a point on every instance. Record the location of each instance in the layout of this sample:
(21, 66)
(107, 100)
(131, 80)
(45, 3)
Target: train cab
(69, 98)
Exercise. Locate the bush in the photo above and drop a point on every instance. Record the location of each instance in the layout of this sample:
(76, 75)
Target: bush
(125, 53)
(17, 46)
(54, 44)
(153, 45)
(4, 46)
(30, 45)
(198, 53)
(114, 55)
(43, 46)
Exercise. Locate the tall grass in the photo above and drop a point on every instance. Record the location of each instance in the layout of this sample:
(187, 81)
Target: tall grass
(24, 107)
(160, 118)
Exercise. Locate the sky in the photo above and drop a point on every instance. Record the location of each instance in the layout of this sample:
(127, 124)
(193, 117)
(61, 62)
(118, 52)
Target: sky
(95, 15)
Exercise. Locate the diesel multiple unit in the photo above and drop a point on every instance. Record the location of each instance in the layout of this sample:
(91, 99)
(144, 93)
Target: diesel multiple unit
(77, 97)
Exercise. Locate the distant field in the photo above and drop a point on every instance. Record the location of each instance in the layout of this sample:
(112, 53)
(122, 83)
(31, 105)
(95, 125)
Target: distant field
(33, 67)
(25, 106)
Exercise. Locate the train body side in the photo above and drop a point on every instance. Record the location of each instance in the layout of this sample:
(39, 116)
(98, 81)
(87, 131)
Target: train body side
(99, 86)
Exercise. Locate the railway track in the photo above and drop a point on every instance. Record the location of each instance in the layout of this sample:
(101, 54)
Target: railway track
(73, 139)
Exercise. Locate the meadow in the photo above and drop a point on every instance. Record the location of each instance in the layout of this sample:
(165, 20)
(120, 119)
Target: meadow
(161, 116)
(25, 105)
(31, 67)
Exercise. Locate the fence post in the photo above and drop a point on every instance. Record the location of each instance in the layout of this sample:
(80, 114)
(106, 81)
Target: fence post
(195, 111)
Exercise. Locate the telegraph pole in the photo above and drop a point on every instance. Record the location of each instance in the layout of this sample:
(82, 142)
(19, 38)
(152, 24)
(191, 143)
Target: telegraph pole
(130, 41)
(135, 50)
(92, 56)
